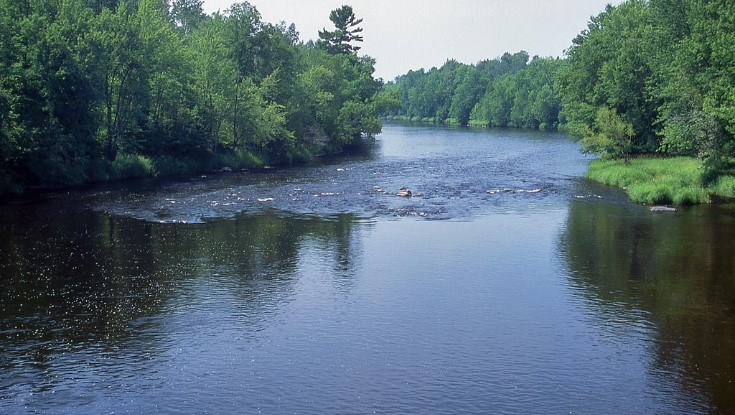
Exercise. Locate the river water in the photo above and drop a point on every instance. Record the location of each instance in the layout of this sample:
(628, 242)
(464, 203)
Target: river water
(507, 284)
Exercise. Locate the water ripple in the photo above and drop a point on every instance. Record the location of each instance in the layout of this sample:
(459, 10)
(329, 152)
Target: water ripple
(451, 182)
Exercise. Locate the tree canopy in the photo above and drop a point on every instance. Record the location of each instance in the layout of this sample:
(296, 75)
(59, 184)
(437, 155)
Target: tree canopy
(644, 77)
(95, 90)
(508, 91)
(346, 31)
(667, 70)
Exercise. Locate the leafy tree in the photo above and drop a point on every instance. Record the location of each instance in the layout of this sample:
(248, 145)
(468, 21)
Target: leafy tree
(96, 89)
(666, 68)
(213, 73)
(187, 14)
(346, 31)
(507, 91)
(611, 136)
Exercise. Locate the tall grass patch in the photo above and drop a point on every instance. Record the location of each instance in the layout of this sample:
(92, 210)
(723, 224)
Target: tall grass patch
(725, 186)
(128, 166)
(675, 180)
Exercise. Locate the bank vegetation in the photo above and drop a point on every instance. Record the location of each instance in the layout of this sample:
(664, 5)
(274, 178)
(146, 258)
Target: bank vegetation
(94, 90)
(647, 80)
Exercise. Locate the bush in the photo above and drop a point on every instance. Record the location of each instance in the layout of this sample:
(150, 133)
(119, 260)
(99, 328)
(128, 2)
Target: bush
(240, 159)
(170, 166)
(691, 196)
(725, 186)
(128, 166)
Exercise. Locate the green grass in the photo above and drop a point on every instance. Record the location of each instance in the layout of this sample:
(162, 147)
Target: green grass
(242, 159)
(725, 187)
(676, 180)
(128, 166)
(479, 123)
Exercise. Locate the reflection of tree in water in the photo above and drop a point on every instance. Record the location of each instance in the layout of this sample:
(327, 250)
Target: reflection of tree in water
(96, 287)
(679, 270)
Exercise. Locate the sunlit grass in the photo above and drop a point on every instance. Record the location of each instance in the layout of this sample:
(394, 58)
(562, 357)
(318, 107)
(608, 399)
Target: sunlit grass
(675, 180)
(725, 187)
(131, 165)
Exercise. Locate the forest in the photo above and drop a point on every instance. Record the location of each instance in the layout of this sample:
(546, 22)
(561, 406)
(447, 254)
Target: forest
(653, 77)
(508, 91)
(95, 90)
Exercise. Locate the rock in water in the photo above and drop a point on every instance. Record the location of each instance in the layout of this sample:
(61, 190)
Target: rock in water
(662, 209)
(404, 192)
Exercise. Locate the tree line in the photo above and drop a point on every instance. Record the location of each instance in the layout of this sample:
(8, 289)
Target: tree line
(100, 89)
(644, 77)
(655, 76)
(509, 91)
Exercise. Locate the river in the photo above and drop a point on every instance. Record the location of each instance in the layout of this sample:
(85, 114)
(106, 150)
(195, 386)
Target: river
(507, 284)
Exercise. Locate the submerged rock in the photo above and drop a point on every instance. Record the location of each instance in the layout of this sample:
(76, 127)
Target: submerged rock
(662, 209)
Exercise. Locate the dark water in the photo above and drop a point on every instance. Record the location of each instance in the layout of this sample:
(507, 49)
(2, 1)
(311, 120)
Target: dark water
(332, 295)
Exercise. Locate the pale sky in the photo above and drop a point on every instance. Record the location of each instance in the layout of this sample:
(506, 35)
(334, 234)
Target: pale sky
(412, 34)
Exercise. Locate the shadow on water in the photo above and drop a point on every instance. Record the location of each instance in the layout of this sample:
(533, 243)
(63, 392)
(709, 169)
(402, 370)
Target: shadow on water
(671, 276)
(100, 292)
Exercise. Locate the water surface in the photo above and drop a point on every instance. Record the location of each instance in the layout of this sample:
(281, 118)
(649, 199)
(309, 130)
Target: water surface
(508, 285)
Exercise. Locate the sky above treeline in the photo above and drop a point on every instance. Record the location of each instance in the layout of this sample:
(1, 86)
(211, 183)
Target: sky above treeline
(412, 34)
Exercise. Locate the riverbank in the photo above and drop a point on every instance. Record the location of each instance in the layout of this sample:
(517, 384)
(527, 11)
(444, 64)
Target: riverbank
(673, 180)
(470, 123)
(137, 166)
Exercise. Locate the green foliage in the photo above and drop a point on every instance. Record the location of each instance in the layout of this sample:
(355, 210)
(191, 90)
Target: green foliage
(612, 137)
(187, 14)
(173, 166)
(102, 90)
(241, 159)
(346, 31)
(355, 119)
(658, 180)
(666, 68)
(509, 91)
(388, 100)
(725, 186)
(127, 166)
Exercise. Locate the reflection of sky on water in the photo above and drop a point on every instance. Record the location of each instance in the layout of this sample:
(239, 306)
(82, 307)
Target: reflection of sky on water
(566, 300)
(457, 179)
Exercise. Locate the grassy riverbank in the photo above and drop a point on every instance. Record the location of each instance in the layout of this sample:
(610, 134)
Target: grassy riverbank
(675, 180)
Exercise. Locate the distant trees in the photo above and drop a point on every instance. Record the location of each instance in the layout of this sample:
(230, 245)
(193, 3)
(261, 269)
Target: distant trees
(92, 90)
(509, 91)
(525, 98)
(646, 76)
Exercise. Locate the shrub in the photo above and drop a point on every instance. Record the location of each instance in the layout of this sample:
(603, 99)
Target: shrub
(725, 186)
(170, 166)
(131, 165)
